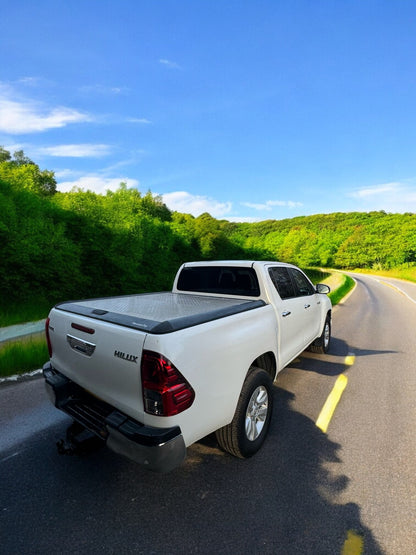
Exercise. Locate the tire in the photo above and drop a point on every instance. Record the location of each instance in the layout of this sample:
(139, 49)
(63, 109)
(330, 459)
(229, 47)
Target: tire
(247, 431)
(321, 345)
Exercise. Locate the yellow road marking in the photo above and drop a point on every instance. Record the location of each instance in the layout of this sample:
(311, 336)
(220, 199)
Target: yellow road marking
(353, 545)
(329, 407)
(349, 359)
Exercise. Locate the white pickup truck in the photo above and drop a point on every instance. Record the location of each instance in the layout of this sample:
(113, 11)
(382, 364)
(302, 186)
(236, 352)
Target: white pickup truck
(150, 374)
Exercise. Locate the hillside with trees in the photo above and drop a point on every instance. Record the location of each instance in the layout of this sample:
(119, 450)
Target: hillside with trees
(56, 246)
(376, 240)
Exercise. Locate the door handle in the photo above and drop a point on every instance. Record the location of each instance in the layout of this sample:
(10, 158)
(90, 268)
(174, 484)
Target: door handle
(307, 306)
(286, 313)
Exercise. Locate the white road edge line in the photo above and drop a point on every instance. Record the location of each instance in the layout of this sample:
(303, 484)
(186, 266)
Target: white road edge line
(20, 377)
(388, 284)
(10, 457)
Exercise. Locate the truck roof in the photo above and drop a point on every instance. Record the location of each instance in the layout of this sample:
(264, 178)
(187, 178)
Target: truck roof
(243, 263)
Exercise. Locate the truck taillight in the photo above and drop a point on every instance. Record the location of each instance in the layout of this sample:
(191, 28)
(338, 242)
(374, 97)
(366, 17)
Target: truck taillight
(48, 339)
(165, 391)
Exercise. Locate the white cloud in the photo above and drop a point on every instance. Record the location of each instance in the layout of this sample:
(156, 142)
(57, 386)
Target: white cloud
(243, 219)
(169, 64)
(376, 190)
(66, 174)
(185, 202)
(30, 81)
(103, 90)
(138, 120)
(270, 204)
(96, 183)
(18, 117)
(77, 150)
(12, 147)
(391, 197)
(256, 206)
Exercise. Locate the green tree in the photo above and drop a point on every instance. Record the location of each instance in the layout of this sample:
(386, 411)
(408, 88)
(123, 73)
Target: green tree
(5, 155)
(20, 159)
(22, 173)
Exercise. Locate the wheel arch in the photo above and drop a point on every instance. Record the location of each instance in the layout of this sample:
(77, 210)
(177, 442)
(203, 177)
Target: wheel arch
(326, 315)
(267, 362)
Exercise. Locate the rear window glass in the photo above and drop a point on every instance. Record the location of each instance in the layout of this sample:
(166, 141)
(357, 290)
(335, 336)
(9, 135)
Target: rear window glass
(219, 280)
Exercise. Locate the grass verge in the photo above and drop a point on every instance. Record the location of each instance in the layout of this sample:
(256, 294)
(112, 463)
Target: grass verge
(339, 293)
(316, 275)
(339, 283)
(26, 312)
(408, 273)
(24, 355)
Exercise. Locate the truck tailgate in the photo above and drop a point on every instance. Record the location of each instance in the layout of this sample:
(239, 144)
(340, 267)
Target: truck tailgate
(98, 343)
(101, 357)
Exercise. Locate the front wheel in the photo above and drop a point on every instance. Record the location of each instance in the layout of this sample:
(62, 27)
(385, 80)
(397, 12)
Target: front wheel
(321, 345)
(247, 431)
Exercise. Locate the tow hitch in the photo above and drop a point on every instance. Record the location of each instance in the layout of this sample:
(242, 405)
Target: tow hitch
(79, 441)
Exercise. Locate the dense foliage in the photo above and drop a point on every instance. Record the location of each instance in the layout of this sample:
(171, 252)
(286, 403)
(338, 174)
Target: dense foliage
(56, 246)
(340, 240)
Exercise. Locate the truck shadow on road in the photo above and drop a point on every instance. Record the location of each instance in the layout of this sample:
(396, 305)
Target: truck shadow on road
(284, 500)
(333, 363)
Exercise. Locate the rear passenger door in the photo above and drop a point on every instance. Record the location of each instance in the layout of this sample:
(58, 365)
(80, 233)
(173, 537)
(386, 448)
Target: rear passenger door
(296, 311)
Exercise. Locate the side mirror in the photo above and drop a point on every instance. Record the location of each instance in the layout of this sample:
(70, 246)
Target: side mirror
(322, 288)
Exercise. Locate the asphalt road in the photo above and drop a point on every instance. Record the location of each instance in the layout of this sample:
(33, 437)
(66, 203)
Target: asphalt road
(353, 488)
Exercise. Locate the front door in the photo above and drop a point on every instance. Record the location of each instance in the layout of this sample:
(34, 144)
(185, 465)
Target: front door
(297, 312)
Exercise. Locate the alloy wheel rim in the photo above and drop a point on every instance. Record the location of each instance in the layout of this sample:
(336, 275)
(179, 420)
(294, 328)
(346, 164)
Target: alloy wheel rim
(326, 335)
(256, 413)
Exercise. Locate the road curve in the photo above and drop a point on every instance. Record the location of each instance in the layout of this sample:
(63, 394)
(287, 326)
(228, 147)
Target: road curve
(306, 491)
(377, 420)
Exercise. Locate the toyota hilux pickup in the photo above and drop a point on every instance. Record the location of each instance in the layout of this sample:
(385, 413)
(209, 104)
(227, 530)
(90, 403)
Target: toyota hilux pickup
(150, 374)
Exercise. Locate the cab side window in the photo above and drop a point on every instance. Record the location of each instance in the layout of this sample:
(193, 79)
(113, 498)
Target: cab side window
(302, 284)
(290, 282)
(281, 280)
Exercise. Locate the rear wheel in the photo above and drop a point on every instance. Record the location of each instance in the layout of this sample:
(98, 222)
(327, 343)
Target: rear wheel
(247, 431)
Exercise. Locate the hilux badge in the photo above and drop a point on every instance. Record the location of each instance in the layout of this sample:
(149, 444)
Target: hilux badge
(125, 356)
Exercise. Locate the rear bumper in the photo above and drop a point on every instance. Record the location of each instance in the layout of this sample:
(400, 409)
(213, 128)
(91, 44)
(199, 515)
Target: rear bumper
(157, 449)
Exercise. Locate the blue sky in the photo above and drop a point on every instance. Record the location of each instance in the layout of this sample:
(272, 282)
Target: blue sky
(248, 110)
